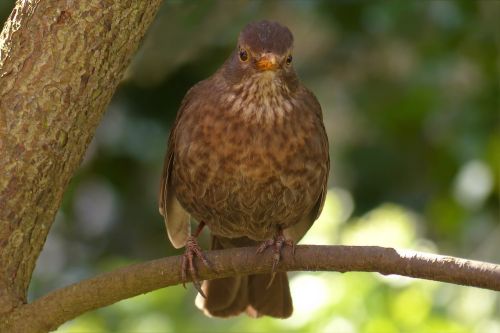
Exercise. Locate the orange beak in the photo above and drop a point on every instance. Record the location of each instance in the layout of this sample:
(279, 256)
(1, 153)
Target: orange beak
(267, 62)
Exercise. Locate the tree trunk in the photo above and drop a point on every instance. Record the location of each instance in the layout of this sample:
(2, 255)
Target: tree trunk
(60, 62)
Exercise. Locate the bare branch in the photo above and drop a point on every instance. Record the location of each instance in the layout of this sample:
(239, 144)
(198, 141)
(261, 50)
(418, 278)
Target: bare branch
(59, 306)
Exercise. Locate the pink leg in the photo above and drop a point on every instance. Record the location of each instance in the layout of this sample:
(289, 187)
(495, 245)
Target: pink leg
(192, 251)
(278, 242)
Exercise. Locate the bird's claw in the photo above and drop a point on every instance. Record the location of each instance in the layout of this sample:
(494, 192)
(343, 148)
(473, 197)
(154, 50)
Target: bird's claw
(193, 250)
(278, 243)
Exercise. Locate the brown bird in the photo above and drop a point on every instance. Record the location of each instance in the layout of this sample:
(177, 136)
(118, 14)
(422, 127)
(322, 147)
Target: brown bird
(248, 157)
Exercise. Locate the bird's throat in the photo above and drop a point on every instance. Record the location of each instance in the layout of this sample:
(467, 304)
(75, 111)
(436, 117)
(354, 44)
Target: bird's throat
(262, 98)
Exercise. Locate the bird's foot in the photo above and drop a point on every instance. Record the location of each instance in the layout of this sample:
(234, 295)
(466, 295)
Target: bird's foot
(193, 250)
(278, 242)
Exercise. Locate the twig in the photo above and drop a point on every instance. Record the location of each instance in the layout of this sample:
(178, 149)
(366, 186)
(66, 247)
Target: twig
(59, 306)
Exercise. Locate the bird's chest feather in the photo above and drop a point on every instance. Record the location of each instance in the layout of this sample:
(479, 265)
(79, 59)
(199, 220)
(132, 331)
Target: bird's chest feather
(245, 161)
(247, 137)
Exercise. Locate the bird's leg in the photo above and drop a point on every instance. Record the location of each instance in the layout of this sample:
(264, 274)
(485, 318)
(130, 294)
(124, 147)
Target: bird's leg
(193, 250)
(278, 242)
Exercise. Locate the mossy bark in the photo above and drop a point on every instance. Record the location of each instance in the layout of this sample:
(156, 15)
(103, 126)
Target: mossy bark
(60, 62)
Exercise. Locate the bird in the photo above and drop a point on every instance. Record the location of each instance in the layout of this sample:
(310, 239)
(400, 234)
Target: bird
(247, 157)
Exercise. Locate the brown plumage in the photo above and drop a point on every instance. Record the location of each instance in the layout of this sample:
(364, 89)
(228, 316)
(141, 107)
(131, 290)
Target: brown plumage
(247, 156)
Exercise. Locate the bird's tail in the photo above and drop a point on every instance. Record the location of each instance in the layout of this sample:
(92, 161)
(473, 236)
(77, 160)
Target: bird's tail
(251, 294)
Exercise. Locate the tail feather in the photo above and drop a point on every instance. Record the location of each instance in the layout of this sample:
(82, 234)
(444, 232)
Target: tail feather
(251, 294)
(225, 297)
(274, 301)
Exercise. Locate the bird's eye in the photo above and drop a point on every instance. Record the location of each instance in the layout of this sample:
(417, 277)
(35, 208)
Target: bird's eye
(243, 55)
(289, 59)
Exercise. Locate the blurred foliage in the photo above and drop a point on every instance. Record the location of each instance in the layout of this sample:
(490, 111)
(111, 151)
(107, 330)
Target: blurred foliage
(410, 94)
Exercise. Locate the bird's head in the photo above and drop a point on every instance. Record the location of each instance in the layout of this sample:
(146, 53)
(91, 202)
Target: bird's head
(264, 50)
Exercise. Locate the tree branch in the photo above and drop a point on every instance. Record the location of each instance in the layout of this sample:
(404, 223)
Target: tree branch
(61, 305)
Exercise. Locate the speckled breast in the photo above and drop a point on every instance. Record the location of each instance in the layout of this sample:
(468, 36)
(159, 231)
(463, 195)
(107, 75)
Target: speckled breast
(248, 173)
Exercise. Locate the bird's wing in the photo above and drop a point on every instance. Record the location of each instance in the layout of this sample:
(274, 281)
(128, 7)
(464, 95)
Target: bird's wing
(297, 231)
(177, 219)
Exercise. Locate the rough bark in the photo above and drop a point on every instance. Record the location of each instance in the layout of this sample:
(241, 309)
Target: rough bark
(60, 62)
(59, 306)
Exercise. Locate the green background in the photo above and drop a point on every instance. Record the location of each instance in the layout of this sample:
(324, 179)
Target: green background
(410, 96)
